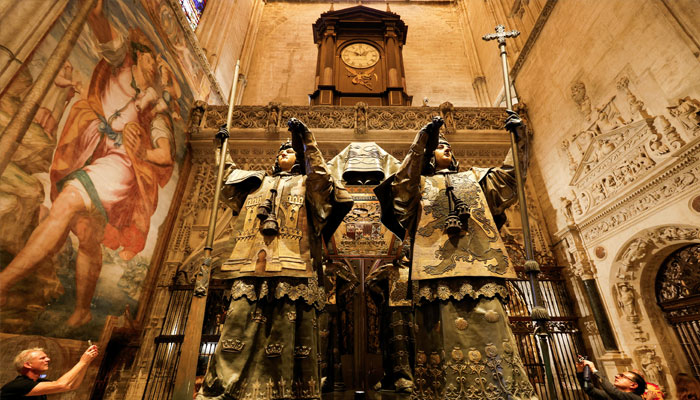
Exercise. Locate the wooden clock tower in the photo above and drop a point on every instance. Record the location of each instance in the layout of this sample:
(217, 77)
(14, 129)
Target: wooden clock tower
(360, 58)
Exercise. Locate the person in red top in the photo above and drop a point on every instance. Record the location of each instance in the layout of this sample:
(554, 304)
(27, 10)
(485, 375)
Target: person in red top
(33, 364)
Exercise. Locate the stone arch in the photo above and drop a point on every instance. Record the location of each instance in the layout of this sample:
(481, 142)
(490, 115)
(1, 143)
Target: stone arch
(646, 335)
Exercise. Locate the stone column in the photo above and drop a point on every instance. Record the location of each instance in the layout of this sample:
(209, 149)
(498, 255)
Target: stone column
(599, 314)
(583, 268)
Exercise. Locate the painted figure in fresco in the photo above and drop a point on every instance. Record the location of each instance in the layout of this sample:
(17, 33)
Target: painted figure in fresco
(269, 346)
(57, 98)
(464, 345)
(114, 153)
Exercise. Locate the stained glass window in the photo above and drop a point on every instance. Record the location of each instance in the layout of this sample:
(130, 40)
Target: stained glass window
(193, 10)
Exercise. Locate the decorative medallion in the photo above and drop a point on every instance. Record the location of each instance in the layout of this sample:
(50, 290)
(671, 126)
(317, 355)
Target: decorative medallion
(507, 348)
(474, 355)
(491, 351)
(600, 252)
(695, 204)
(491, 316)
(399, 338)
(434, 358)
(457, 354)
(301, 351)
(274, 350)
(292, 316)
(461, 323)
(421, 358)
(232, 345)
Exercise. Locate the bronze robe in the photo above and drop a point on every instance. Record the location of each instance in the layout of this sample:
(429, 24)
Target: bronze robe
(269, 345)
(464, 345)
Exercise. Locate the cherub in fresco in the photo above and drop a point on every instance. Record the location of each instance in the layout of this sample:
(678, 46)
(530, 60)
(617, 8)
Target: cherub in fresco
(114, 153)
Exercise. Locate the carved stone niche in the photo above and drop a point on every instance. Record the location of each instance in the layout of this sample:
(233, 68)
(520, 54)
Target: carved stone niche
(651, 365)
(626, 301)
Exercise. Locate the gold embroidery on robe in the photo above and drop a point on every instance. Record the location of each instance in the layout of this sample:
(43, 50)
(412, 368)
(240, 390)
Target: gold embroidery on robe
(476, 251)
(285, 254)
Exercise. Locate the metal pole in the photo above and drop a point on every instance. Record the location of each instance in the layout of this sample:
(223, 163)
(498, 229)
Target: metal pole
(189, 353)
(539, 313)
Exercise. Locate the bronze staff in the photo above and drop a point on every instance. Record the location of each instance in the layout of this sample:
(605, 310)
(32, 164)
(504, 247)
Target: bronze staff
(187, 365)
(539, 312)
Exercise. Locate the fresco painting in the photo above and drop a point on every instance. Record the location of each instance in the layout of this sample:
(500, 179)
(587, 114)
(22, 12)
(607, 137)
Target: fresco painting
(92, 181)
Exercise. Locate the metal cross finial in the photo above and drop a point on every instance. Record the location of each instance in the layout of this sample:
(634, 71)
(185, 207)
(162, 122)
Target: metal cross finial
(501, 34)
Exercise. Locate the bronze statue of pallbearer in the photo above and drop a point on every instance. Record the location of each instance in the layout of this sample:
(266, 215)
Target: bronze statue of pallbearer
(270, 340)
(459, 266)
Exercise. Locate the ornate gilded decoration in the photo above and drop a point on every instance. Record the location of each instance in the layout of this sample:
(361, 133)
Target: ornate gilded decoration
(259, 254)
(292, 316)
(281, 389)
(457, 289)
(232, 345)
(461, 324)
(258, 317)
(494, 373)
(274, 350)
(363, 78)
(301, 351)
(436, 254)
(378, 118)
(491, 316)
(295, 289)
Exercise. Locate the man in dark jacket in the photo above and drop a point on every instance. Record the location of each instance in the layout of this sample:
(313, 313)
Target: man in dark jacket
(32, 365)
(627, 386)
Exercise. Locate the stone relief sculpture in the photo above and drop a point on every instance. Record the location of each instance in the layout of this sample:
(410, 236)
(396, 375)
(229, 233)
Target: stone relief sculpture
(636, 105)
(636, 251)
(653, 370)
(668, 133)
(273, 115)
(687, 112)
(446, 112)
(627, 301)
(579, 96)
(608, 117)
(361, 118)
(566, 206)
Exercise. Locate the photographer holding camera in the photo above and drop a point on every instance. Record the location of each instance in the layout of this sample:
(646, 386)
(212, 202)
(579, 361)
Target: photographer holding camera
(627, 386)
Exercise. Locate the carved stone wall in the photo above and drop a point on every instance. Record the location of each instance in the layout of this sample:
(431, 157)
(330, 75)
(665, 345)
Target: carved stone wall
(618, 153)
(652, 343)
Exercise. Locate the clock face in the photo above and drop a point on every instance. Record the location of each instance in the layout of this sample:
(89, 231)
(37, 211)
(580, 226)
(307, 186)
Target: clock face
(360, 55)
